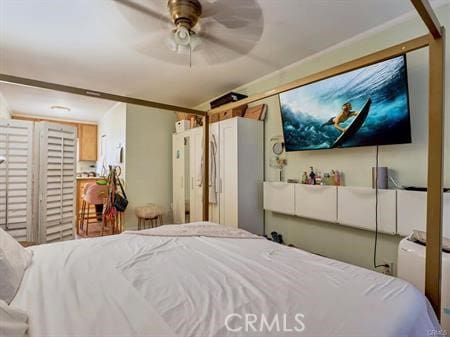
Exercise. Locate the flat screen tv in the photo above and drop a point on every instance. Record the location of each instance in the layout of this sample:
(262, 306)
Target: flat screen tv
(366, 106)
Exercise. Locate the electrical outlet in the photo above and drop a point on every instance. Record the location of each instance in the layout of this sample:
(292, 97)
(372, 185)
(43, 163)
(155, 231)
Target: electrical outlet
(389, 269)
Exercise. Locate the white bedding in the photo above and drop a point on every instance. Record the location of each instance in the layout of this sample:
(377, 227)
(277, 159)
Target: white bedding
(141, 285)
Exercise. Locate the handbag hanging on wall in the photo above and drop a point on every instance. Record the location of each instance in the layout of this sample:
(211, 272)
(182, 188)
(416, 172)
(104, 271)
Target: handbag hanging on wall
(120, 200)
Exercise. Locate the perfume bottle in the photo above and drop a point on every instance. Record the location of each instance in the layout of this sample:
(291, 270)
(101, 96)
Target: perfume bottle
(337, 178)
(312, 176)
(305, 178)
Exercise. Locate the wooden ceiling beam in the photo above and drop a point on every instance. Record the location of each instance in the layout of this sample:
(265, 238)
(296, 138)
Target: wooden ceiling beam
(428, 16)
(96, 94)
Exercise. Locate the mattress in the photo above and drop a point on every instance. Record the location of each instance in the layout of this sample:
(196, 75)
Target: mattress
(147, 285)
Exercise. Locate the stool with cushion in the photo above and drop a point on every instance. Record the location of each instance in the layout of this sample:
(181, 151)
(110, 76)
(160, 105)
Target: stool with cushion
(150, 212)
(93, 195)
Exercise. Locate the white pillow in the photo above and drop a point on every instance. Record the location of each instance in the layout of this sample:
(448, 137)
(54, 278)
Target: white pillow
(13, 321)
(14, 259)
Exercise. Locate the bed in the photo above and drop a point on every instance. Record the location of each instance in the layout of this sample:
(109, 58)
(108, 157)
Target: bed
(204, 280)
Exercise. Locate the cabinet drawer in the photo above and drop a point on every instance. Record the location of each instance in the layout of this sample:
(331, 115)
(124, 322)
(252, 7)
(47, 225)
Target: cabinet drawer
(412, 212)
(316, 202)
(279, 197)
(356, 208)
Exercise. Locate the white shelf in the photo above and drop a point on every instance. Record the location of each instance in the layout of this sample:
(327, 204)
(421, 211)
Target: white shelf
(316, 202)
(399, 211)
(356, 208)
(279, 197)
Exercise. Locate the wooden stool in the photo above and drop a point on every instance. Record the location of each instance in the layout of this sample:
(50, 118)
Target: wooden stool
(150, 213)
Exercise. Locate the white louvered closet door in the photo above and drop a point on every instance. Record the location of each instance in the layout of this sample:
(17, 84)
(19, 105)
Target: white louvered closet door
(57, 167)
(16, 184)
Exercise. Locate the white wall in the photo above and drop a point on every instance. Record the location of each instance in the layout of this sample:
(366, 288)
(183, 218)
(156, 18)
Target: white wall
(111, 135)
(408, 162)
(5, 112)
(149, 159)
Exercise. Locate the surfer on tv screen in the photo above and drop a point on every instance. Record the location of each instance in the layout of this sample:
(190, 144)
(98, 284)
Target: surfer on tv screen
(345, 114)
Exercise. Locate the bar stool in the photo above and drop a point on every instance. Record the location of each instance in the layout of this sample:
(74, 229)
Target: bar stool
(93, 197)
(149, 213)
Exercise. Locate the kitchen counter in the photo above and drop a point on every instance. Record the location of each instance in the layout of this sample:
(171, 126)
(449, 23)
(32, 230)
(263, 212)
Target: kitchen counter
(88, 178)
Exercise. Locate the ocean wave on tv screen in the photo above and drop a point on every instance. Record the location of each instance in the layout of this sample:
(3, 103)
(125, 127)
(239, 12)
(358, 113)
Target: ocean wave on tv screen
(306, 109)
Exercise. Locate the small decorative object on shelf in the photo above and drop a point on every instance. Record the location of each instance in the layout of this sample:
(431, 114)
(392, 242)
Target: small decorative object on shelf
(305, 178)
(332, 178)
(312, 176)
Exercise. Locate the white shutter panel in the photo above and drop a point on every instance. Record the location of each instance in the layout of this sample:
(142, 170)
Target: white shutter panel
(16, 184)
(57, 147)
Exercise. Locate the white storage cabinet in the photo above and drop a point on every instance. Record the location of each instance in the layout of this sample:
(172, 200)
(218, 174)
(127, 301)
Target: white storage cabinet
(356, 208)
(279, 197)
(316, 202)
(412, 212)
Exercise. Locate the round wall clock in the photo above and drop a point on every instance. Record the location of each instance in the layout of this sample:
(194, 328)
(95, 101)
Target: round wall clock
(278, 148)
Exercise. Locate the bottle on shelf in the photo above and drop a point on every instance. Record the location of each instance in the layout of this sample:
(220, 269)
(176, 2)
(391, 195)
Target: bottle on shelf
(312, 176)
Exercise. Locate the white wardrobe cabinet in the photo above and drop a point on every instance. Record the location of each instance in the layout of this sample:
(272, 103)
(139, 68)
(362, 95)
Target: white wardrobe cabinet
(187, 175)
(236, 174)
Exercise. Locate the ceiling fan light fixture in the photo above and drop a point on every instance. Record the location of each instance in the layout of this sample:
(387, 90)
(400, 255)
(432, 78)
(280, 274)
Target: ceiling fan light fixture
(60, 108)
(182, 36)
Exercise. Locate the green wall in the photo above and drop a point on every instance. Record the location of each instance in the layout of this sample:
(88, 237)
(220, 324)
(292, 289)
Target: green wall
(149, 159)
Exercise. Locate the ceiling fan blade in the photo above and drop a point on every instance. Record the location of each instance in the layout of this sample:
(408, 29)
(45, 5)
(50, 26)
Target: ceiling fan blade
(233, 13)
(220, 50)
(144, 10)
(219, 44)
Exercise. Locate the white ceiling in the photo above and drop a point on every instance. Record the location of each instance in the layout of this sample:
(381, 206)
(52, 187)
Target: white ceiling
(23, 100)
(93, 44)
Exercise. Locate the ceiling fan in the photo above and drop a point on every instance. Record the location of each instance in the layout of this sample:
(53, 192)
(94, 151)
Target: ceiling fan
(211, 31)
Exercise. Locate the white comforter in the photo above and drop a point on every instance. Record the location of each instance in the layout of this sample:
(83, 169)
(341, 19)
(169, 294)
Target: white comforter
(141, 285)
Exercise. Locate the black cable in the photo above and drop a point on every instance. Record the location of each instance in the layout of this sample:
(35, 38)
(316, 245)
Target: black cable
(375, 265)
